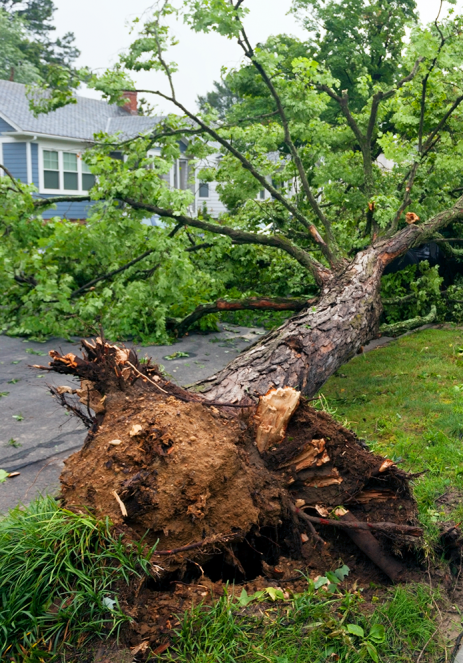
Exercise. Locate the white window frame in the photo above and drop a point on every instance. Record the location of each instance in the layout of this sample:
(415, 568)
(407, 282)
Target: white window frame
(61, 190)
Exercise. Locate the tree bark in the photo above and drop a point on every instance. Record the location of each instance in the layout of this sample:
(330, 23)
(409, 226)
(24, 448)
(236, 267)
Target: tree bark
(307, 349)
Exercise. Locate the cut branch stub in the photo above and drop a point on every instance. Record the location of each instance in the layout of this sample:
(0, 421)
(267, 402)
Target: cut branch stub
(274, 411)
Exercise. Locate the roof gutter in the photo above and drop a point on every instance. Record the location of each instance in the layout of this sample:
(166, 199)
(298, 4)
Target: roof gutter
(34, 135)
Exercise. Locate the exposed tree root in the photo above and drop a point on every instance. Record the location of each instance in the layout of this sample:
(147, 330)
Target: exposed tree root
(195, 476)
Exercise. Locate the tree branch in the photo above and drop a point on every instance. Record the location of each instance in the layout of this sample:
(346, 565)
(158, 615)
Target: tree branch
(250, 168)
(13, 179)
(319, 271)
(44, 202)
(248, 304)
(249, 52)
(109, 275)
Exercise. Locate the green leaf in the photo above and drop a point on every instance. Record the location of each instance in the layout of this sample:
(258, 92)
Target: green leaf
(18, 417)
(342, 572)
(371, 649)
(31, 351)
(176, 355)
(377, 633)
(274, 593)
(244, 598)
(13, 381)
(319, 582)
(4, 393)
(333, 578)
(356, 630)
(3, 476)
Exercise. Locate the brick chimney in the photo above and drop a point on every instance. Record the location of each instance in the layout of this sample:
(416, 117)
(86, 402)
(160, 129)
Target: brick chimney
(132, 102)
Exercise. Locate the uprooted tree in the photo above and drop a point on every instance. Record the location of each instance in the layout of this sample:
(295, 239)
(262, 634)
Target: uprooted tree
(353, 136)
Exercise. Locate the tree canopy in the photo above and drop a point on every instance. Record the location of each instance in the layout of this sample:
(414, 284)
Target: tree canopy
(347, 131)
(29, 46)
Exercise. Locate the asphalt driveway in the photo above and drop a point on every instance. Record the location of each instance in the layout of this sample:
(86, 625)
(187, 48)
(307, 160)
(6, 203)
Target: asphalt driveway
(36, 434)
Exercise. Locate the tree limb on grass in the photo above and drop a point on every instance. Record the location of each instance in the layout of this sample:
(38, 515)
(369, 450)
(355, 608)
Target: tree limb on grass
(397, 328)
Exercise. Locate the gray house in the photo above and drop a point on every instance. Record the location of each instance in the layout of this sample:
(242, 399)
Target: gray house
(47, 150)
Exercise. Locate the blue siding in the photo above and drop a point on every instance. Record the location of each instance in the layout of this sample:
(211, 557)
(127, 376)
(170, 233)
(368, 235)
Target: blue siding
(4, 126)
(35, 163)
(15, 159)
(80, 210)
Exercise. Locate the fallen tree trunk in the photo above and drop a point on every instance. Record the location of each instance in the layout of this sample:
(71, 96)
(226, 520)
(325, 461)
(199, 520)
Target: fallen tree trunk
(219, 487)
(308, 348)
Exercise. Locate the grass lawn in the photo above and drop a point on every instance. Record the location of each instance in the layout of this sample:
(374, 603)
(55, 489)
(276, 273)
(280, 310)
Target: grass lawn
(406, 401)
(57, 570)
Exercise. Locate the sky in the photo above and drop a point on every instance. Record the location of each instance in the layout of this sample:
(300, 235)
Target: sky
(102, 32)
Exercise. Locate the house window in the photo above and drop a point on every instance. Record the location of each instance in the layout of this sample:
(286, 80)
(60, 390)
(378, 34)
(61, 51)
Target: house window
(88, 180)
(204, 190)
(262, 194)
(71, 176)
(51, 170)
(65, 172)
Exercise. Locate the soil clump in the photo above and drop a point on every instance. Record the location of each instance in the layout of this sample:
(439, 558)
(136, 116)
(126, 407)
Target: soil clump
(165, 464)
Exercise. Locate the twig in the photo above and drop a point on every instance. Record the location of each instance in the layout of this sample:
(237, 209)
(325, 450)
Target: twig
(314, 533)
(121, 504)
(147, 378)
(199, 544)
(105, 277)
(424, 648)
(359, 525)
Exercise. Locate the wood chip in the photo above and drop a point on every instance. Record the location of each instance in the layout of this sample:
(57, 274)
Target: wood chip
(13, 474)
(273, 414)
(304, 538)
(115, 443)
(374, 496)
(386, 464)
(65, 390)
(321, 510)
(329, 479)
(299, 503)
(136, 430)
(142, 647)
(313, 454)
(121, 504)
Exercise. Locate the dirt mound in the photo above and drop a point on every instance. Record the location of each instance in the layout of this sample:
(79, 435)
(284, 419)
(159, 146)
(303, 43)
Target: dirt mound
(168, 465)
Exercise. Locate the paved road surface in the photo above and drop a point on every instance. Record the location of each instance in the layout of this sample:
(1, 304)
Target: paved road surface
(35, 432)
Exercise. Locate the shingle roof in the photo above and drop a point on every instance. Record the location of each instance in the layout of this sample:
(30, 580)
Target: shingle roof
(81, 120)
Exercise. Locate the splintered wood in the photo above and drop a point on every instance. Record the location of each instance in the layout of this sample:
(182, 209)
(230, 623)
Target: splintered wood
(274, 411)
(313, 454)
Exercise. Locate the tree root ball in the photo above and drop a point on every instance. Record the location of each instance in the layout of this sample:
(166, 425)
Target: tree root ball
(164, 464)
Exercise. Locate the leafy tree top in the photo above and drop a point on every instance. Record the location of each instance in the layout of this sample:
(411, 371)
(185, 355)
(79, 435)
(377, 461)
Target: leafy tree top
(345, 152)
(27, 27)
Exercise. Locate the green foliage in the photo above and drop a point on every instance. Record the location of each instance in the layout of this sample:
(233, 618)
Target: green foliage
(28, 24)
(12, 60)
(59, 578)
(310, 627)
(423, 284)
(311, 119)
